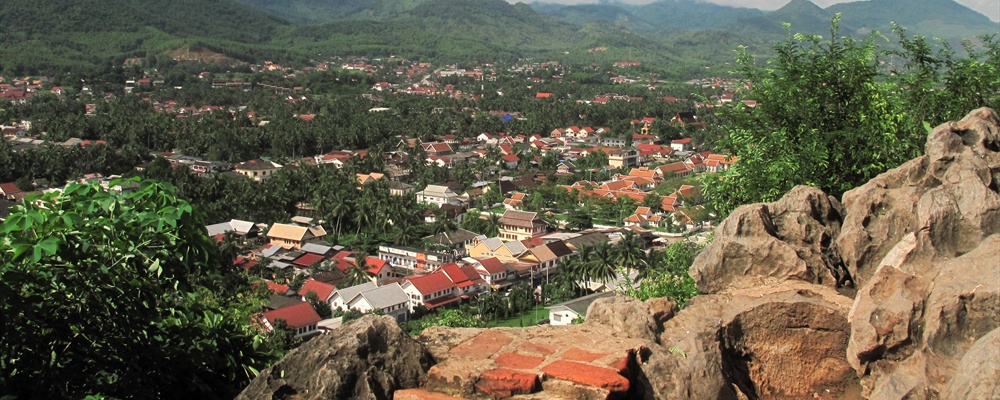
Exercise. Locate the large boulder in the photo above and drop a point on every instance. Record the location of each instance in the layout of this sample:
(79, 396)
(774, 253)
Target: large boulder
(367, 359)
(923, 242)
(782, 341)
(948, 196)
(791, 238)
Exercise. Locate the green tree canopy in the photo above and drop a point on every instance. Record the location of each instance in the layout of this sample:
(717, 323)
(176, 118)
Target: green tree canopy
(121, 294)
(825, 117)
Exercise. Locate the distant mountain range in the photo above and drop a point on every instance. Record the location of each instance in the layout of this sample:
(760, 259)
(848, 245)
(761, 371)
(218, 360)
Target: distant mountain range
(678, 35)
(933, 18)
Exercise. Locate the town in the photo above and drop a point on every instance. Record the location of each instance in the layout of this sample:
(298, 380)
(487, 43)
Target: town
(503, 206)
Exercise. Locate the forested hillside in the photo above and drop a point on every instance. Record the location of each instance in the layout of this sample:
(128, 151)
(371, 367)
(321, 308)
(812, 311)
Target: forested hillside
(63, 34)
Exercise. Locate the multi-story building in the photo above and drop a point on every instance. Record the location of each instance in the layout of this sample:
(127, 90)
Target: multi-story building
(520, 225)
(413, 259)
(625, 158)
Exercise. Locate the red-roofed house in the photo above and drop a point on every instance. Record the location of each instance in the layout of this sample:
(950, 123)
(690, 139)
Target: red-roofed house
(493, 271)
(543, 95)
(681, 144)
(301, 318)
(307, 260)
(8, 190)
(277, 288)
(381, 269)
(511, 161)
(466, 279)
(431, 290)
(323, 290)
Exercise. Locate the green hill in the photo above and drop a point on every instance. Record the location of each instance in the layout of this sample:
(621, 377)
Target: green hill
(605, 13)
(467, 30)
(803, 15)
(63, 34)
(934, 18)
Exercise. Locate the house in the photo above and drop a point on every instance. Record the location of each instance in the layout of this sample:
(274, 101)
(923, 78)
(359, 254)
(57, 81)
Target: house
(566, 312)
(438, 195)
(546, 258)
(642, 138)
(686, 119)
(493, 271)
(301, 318)
(436, 148)
(9, 190)
(507, 252)
(414, 259)
(614, 141)
(340, 297)
(293, 236)
(242, 229)
(397, 188)
(718, 162)
(390, 299)
(511, 161)
(258, 170)
(683, 144)
(625, 158)
(430, 291)
(675, 169)
(448, 211)
(467, 281)
(516, 200)
(566, 168)
(455, 241)
(324, 291)
(521, 225)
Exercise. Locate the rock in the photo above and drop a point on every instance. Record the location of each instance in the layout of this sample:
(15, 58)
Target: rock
(978, 374)
(950, 195)
(631, 317)
(909, 330)
(367, 359)
(787, 239)
(783, 341)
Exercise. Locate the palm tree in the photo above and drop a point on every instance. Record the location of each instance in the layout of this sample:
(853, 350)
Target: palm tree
(358, 273)
(492, 226)
(629, 253)
(603, 268)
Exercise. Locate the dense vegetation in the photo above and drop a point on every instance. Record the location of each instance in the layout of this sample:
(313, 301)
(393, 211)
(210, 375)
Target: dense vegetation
(829, 116)
(122, 295)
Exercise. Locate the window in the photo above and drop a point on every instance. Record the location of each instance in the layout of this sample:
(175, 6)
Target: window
(556, 318)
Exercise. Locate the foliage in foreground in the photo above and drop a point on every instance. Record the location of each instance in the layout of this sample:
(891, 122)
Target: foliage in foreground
(831, 115)
(123, 295)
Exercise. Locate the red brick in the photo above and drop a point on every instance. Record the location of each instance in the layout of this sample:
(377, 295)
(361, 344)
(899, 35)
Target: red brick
(420, 394)
(501, 382)
(621, 366)
(518, 361)
(577, 354)
(483, 346)
(588, 375)
(530, 347)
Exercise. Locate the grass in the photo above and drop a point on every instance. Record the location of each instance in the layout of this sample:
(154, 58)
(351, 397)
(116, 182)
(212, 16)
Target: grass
(526, 318)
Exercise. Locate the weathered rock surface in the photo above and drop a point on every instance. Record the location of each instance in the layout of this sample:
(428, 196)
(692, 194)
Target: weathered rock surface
(789, 239)
(368, 359)
(892, 293)
(781, 341)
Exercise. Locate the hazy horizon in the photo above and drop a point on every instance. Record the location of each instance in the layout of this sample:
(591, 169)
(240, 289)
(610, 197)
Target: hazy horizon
(989, 8)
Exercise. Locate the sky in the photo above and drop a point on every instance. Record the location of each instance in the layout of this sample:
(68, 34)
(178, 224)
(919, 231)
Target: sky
(990, 8)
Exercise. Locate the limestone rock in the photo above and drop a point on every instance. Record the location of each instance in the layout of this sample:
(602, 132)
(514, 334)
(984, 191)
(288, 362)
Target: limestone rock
(788, 239)
(978, 374)
(782, 341)
(631, 317)
(950, 195)
(367, 359)
(909, 331)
